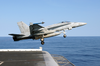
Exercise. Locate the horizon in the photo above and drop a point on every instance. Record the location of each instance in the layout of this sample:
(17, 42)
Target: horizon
(60, 36)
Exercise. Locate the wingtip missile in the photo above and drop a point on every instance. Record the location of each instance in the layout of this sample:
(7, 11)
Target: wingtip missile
(36, 23)
(43, 22)
(39, 23)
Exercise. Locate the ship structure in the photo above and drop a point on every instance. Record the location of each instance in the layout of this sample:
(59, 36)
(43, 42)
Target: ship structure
(31, 57)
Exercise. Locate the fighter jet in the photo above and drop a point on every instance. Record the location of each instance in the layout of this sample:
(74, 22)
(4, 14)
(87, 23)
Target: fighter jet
(35, 31)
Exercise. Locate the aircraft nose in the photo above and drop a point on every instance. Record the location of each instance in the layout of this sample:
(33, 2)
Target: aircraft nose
(83, 23)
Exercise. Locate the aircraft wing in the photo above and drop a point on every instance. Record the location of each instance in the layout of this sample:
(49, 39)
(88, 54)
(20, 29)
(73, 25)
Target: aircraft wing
(35, 28)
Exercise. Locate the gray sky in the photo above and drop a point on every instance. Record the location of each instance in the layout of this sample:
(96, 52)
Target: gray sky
(51, 12)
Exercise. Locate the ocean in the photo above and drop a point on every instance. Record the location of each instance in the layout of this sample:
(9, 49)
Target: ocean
(81, 51)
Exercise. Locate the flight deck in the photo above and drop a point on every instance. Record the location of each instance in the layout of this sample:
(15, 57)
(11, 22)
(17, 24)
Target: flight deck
(31, 57)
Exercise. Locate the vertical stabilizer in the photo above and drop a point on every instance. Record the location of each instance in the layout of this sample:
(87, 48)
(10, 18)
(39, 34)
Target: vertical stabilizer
(24, 28)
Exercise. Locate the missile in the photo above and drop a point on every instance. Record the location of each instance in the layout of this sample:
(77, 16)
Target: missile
(36, 23)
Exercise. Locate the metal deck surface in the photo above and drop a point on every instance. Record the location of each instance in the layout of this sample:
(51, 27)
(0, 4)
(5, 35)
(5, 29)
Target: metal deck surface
(31, 58)
(22, 58)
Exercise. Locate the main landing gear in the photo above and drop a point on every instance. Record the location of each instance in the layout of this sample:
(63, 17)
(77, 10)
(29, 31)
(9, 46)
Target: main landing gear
(42, 40)
(64, 35)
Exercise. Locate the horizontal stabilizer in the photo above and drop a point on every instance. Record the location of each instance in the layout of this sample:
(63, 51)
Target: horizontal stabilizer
(16, 34)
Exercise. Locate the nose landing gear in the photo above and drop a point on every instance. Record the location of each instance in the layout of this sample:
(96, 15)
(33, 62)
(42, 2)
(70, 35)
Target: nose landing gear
(64, 34)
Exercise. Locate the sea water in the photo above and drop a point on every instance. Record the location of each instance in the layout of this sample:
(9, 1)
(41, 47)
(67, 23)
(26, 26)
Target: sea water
(81, 51)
